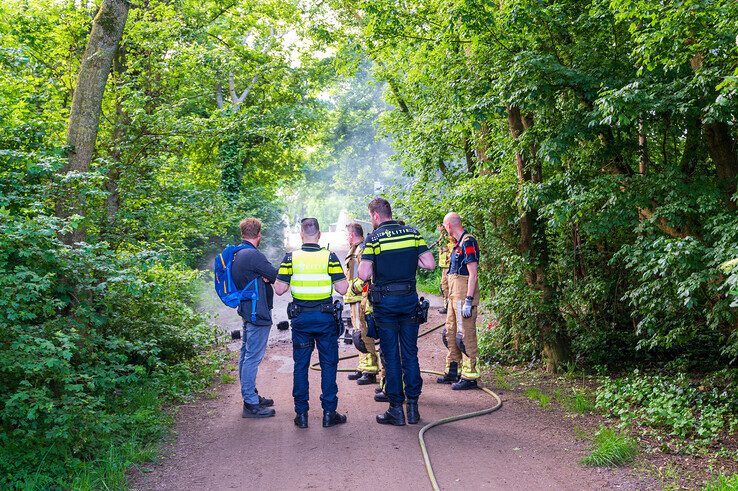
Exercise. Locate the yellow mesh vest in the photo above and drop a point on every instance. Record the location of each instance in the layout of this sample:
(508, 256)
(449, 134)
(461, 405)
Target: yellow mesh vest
(310, 279)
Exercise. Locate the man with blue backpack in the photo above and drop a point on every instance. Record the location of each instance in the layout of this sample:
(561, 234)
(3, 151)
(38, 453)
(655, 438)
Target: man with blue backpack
(243, 279)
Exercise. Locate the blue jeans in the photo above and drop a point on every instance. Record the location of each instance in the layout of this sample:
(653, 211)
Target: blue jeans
(309, 329)
(398, 339)
(252, 352)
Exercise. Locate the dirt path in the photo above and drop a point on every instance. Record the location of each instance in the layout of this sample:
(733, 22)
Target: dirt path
(518, 447)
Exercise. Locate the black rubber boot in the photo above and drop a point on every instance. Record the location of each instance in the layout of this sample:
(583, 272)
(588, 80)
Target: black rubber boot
(464, 384)
(413, 415)
(301, 420)
(393, 416)
(333, 418)
(355, 376)
(381, 397)
(451, 376)
(367, 379)
(256, 411)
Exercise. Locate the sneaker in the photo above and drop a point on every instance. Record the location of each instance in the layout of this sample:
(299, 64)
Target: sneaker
(256, 411)
(355, 376)
(265, 402)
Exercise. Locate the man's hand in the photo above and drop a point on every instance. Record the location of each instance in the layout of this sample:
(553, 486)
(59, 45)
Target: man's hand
(466, 310)
(280, 287)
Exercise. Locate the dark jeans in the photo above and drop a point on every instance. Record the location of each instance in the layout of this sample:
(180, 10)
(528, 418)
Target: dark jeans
(398, 339)
(309, 329)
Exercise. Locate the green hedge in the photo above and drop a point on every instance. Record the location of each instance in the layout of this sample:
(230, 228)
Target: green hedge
(92, 344)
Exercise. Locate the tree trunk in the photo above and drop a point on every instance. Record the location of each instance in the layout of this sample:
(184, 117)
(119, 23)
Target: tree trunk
(112, 202)
(84, 117)
(471, 165)
(722, 150)
(555, 344)
(642, 149)
(690, 155)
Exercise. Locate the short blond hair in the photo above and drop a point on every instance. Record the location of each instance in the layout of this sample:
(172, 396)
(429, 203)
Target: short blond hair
(250, 228)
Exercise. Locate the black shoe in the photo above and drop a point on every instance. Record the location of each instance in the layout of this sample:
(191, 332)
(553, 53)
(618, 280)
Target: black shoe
(333, 418)
(265, 402)
(413, 415)
(379, 389)
(444, 310)
(393, 416)
(367, 379)
(301, 420)
(355, 376)
(381, 397)
(464, 384)
(451, 376)
(256, 411)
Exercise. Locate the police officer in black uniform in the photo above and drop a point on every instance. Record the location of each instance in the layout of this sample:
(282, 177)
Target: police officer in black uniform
(391, 256)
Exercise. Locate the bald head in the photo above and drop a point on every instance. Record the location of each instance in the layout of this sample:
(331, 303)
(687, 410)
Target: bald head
(452, 224)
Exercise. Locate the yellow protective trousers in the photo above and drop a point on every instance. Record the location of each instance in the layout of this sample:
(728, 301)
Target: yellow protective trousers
(455, 322)
(368, 362)
(444, 286)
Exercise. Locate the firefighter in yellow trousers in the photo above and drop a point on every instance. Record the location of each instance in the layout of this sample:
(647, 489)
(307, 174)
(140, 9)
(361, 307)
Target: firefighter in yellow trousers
(445, 244)
(357, 299)
(463, 306)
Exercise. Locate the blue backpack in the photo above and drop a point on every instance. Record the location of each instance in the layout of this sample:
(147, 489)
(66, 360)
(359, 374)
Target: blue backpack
(224, 285)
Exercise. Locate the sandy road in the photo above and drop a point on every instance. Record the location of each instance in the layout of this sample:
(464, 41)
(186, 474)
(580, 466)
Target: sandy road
(517, 447)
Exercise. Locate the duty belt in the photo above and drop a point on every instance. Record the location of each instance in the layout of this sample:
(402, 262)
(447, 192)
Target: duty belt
(395, 288)
(324, 307)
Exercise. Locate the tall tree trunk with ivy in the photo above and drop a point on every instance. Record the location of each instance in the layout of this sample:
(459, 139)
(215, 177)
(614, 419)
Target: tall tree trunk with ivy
(84, 117)
(533, 245)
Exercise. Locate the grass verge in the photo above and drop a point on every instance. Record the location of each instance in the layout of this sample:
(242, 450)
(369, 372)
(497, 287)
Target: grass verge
(535, 394)
(611, 449)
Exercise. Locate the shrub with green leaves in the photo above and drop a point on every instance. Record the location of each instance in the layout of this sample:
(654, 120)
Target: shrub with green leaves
(698, 413)
(92, 342)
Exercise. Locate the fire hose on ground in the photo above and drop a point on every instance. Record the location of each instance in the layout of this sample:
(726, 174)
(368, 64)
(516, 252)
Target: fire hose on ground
(450, 419)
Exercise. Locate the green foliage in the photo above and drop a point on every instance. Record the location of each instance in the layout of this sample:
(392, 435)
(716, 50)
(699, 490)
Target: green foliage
(629, 194)
(93, 343)
(699, 413)
(536, 394)
(576, 401)
(611, 449)
(96, 339)
(429, 281)
(722, 483)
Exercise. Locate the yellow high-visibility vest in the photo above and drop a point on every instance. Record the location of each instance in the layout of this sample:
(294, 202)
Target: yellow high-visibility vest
(310, 279)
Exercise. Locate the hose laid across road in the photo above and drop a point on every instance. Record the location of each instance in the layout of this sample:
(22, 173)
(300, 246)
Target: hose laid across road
(424, 429)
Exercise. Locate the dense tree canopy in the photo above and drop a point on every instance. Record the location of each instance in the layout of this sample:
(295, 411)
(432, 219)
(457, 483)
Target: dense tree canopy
(589, 145)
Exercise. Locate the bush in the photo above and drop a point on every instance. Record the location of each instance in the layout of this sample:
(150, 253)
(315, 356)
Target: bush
(429, 281)
(698, 412)
(92, 344)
